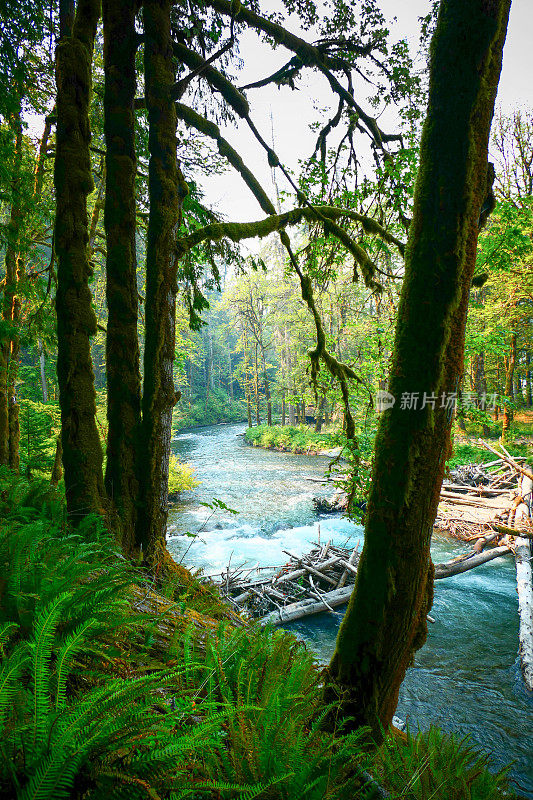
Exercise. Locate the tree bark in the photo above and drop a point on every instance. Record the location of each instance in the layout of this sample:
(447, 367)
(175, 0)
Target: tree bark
(166, 189)
(386, 618)
(510, 362)
(14, 359)
(529, 393)
(42, 371)
(9, 299)
(122, 345)
(57, 471)
(76, 320)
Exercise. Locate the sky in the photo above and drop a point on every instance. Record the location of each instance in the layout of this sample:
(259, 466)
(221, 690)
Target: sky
(288, 113)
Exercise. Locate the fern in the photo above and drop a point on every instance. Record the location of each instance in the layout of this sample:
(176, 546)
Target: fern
(71, 646)
(12, 668)
(42, 644)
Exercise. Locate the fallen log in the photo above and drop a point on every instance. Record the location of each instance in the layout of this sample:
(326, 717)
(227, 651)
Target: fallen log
(457, 566)
(304, 608)
(309, 568)
(517, 532)
(343, 578)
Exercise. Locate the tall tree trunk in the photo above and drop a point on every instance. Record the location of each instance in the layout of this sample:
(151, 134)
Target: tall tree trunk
(266, 384)
(10, 284)
(99, 202)
(510, 362)
(76, 320)
(320, 414)
(166, 189)
(122, 345)
(14, 359)
(42, 362)
(529, 392)
(57, 471)
(230, 378)
(41, 159)
(256, 389)
(386, 618)
(480, 386)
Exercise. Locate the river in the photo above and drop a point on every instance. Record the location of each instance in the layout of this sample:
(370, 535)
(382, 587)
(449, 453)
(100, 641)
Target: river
(465, 679)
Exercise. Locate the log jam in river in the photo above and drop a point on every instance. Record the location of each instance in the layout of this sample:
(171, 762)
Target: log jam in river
(465, 679)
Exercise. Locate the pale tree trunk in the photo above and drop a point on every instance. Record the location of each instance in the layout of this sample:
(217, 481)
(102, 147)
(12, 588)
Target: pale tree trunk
(385, 623)
(230, 378)
(510, 362)
(166, 189)
(42, 363)
(76, 320)
(256, 389)
(529, 394)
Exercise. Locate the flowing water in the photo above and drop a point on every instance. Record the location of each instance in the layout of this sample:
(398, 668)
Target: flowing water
(465, 679)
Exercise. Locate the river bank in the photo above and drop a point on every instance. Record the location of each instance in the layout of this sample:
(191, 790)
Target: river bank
(299, 439)
(463, 681)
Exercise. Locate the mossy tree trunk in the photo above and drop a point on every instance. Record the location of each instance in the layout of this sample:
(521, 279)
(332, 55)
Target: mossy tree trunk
(386, 618)
(14, 359)
(76, 320)
(122, 345)
(7, 399)
(166, 189)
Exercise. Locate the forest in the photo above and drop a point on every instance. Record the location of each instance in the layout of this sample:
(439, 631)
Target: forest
(266, 274)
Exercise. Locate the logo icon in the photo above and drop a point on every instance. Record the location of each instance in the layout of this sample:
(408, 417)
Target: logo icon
(384, 400)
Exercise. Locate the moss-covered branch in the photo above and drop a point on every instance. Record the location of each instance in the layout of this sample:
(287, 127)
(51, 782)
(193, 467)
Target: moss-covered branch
(229, 92)
(195, 120)
(237, 231)
(309, 55)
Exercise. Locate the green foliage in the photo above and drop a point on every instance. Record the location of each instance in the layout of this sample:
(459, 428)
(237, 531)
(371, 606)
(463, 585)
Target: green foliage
(276, 733)
(68, 727)
(297, 439)
(180, 478)
(198, 413)
(88, 709)
(39, 427)
(438, 766)
(468, 453)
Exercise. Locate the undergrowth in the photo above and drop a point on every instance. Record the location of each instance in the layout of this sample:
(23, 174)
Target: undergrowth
(99, 700)
(296, 439)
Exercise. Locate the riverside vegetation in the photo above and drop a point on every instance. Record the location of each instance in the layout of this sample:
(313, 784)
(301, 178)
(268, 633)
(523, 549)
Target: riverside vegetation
(99, 698)
(130, 310)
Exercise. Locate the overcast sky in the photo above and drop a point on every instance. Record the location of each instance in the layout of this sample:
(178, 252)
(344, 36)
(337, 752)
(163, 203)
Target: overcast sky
(292, 111)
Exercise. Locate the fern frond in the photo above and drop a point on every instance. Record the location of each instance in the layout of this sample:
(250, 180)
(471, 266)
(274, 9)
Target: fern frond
(42, 644)
(70, 647)
(7, 629)
(12, 669)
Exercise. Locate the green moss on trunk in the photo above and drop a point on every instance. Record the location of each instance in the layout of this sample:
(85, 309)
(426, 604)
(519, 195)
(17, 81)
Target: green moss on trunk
(122, 346)
(386, 618)
(166, 191)
(8, 359)
(76, 321)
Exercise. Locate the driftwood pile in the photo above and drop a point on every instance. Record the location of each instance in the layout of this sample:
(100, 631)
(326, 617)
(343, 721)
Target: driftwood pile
(489, 505)
(480, 496)
(492, 506)
(318, 581)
